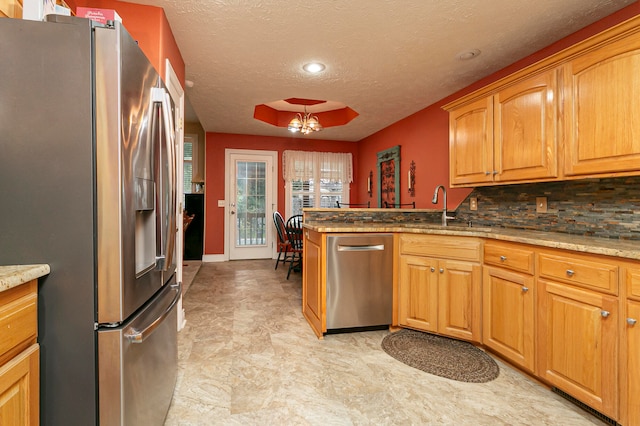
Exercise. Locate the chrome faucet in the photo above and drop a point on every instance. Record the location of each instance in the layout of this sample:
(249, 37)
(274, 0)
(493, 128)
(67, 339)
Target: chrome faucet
(444, 208)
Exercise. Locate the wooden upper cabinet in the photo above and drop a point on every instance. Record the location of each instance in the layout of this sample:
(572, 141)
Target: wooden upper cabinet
(601, 101)
(11, 9)
(471, 143)
(525, 129)
(571, 115)
(510, 136)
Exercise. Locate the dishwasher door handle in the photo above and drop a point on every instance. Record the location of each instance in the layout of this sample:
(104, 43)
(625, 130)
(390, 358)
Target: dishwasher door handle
(377, 247)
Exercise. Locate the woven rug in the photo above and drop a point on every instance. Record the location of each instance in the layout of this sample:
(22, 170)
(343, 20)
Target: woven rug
(441, 356)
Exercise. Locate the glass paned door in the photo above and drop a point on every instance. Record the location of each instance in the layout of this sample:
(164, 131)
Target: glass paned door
(251, 215)
(250, 204)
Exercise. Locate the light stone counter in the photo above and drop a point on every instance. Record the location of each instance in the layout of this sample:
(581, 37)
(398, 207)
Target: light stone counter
(627, 249)
(14, 275)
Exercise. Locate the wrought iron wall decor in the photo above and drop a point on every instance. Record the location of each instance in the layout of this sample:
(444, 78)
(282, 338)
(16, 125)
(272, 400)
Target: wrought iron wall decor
(389, 175)
(411, 179)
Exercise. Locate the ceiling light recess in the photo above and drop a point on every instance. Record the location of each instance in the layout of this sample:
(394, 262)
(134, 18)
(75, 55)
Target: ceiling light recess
(313, 67)
(468, 54)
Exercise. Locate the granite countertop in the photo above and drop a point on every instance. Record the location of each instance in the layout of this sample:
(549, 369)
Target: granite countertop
(628, 249)
(14, 275)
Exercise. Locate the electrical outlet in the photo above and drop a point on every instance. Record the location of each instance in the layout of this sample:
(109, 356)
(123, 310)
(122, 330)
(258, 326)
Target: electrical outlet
(473, 203)
(541, 204)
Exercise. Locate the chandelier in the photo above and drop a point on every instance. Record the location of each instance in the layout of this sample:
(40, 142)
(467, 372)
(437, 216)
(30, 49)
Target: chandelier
(304, 124)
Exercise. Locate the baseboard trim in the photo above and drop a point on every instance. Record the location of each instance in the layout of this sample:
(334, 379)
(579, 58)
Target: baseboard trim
(214, 258)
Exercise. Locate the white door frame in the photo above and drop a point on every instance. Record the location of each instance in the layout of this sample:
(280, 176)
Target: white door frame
(176, 92)
(228, 167)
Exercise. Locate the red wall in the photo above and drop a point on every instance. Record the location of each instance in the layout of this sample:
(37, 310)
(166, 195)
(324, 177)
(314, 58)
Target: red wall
(149, 26)
(215, 179)
(424, 136)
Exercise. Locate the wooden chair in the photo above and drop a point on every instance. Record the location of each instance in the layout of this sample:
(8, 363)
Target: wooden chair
(362, 205)
(294, 235)
(392, 206)
(283, 241)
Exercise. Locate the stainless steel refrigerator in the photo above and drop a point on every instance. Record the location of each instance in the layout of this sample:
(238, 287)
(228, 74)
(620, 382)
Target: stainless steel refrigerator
(88, 185)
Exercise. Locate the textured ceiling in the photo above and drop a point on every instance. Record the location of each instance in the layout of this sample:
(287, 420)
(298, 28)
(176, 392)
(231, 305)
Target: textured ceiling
(385, 59)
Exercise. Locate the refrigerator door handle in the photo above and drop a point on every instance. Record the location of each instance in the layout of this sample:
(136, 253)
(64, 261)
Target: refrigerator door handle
(139, 336)
(168, 233)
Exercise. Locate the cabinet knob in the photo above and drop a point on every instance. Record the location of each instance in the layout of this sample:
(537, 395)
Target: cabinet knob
(570, 272)
(433, 269)
(631, 321)
(605, 313)
(525, 289)
(495, 172)
(487, 173)
(503, 258)
(441, 270)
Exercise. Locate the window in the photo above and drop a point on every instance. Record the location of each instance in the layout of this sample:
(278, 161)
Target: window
(316, 179)
(187, 171)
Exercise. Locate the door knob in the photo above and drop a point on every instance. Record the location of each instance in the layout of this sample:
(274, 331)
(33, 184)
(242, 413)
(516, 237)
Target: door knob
(233, 212)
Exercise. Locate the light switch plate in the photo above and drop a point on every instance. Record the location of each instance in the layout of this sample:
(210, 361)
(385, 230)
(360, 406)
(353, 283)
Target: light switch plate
(220, 203)
(473, 203)
(541, 204)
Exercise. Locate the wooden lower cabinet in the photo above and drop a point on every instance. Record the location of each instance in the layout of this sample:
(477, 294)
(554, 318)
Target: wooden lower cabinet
(19, 389)
(631, 403)
(313, 282)
(19, 356)
(508, 316)
(577, 344)
(441, 296)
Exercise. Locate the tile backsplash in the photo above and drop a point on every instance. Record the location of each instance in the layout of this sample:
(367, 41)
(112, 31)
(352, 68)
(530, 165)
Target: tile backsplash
(606, 208)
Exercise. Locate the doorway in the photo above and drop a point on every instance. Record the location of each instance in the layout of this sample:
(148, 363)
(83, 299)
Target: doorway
(251, 195)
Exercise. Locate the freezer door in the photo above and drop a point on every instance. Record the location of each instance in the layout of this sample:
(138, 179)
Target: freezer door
(138, 364)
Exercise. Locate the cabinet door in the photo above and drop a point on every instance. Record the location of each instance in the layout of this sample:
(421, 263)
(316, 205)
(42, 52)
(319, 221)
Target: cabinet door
(418, 293)
(471, 143)
(459, 299)
(508, 316)
(632, 325)
(602, 109)
(313, 287)
(578, 341)
(19, 389)
(525, 129)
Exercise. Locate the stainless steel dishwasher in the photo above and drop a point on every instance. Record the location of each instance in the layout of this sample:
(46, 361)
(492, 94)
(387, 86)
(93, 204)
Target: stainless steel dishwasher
(359, 280)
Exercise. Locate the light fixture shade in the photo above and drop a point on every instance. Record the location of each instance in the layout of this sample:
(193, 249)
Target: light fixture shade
(295, 124)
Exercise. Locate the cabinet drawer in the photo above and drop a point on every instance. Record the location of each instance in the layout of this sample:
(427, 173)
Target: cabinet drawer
(443, 246)
(510, 256)
(18, 320)
(633, 283)
(584, 271)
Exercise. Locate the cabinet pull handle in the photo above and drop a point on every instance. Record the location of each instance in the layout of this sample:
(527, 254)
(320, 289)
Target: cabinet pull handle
(605, 314)
(503, 258)
(441, 270)
(631, 321)
(570, 272)
(525, 289)
(433, 269)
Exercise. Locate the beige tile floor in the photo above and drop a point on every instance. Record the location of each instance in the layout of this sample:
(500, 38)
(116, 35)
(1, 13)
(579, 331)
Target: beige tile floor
(247, 357)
